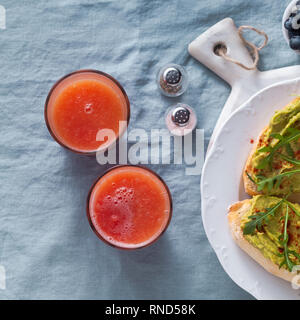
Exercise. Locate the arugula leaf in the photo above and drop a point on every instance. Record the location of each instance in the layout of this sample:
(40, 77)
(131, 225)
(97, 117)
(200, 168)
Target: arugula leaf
(273, 182)
(289, 150)
(258, 219)
(293, 161)
(293, 134)
(294, 209)
(284, 239)
(277, 136)
(265, 149)
(251, 179)
(293, 130)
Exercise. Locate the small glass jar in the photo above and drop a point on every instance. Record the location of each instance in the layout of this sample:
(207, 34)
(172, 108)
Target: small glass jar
(172, 80)
(181, 119)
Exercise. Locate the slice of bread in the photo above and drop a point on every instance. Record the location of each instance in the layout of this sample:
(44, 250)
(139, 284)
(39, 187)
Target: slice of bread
(236, 212)
(250, 186)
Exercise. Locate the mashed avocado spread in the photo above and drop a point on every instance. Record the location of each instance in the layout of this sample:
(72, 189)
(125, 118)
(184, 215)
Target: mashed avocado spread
(268, 236)
(275, 164)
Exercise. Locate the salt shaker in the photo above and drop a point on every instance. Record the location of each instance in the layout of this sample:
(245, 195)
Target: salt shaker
(181, 119)
(172, 80)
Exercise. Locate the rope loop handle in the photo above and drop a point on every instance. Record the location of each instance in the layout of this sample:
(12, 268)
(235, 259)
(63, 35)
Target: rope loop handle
(222, 51)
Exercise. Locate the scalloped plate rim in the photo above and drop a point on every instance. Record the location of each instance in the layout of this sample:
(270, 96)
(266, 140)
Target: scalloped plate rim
(206, 166)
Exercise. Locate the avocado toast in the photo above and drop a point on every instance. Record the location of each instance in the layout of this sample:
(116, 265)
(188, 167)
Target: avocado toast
(267, 226)
(268, 229)
(273, 167)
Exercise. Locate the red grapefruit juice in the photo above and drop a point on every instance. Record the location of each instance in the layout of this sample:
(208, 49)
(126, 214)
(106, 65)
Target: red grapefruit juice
(82, 103)
(129, 207)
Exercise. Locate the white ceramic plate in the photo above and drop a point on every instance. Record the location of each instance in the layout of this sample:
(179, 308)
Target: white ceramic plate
(221, 186)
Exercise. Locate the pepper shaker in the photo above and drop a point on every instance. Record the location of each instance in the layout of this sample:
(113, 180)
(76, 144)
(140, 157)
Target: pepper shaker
(172, 80)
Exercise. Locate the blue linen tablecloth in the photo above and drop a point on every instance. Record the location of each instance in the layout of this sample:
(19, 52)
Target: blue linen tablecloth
(47, 248)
